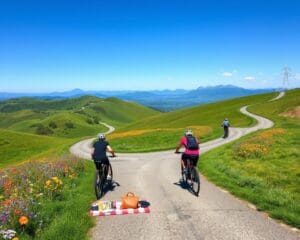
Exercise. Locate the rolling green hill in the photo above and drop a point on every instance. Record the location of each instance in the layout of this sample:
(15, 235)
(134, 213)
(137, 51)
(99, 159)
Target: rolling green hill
(33, 123)
(110, 109)
(162, 131)
(264, 168)
(70, 118)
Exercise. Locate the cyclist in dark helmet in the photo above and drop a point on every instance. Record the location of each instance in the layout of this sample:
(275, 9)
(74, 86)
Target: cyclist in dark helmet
(100, 148)
(191, 152)
(226, 126)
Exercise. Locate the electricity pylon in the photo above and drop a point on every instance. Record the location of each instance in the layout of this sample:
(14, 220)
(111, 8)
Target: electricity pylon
(287, 73)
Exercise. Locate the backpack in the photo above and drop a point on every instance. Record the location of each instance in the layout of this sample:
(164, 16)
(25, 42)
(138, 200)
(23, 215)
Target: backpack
(192, 143)
(226, 123)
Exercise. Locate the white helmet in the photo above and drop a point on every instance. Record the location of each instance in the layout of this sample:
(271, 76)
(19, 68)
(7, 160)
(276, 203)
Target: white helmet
(188, 132)
(101, 136)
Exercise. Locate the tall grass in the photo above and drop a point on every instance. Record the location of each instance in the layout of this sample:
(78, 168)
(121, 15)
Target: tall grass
(263, 168)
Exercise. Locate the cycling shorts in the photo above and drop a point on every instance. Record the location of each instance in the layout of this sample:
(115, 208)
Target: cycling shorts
(194, 158)
(98, 162)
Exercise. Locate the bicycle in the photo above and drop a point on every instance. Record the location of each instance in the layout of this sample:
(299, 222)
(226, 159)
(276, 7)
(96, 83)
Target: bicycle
(101, 181)
(191, 177)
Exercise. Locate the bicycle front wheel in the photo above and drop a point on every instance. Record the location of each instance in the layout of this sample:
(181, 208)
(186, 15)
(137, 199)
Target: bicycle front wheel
(110, 172)
(184, 176)
(195, 181)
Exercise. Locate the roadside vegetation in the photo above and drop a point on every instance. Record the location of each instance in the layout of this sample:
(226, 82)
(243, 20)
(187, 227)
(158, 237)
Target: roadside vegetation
(264, 168)
(162, 131)
(46, 200)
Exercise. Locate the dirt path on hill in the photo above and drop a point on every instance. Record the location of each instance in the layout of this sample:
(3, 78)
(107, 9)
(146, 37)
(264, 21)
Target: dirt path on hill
(175, 213)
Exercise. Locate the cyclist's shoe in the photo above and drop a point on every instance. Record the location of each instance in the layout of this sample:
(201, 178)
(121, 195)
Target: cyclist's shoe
(109, 178)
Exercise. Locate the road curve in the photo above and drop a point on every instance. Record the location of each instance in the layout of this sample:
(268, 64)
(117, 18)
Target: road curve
(177, 214)
(280, 95)
(82, 149)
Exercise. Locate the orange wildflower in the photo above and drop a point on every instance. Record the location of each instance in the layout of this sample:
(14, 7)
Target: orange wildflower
(7, 184)
(14, 171)
(6, 202)
(17, 212)
(23, 220)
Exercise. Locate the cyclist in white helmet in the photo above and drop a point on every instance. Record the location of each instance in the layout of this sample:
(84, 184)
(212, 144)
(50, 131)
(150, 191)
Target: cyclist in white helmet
(191, 152)
(100, 148)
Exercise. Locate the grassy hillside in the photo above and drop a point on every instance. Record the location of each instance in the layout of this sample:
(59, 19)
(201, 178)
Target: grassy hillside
(162, 131)
(264, 167)
(111, 110)
(16, 147)
(33, 127)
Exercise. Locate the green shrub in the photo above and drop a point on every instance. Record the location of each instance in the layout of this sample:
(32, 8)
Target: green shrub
(96, 120)
(43, 130)
(69, 125)
(89, 121)
(36, 125)
(52, 125)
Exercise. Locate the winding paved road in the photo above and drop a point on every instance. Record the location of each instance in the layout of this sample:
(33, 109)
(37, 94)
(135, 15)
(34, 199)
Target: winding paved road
(175, 213)
(83, 148)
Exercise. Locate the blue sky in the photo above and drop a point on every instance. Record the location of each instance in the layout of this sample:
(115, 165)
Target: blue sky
(115, 45)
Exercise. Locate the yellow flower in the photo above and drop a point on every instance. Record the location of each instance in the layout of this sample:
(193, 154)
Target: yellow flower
(48, 182)
(15, 238)
(55, 179)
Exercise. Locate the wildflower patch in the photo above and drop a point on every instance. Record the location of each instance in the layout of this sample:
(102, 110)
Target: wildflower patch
(198, 131)
(24, 190)
(258, 146)
(294, 113)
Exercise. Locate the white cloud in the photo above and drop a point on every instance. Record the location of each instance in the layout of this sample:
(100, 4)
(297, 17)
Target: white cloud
(297, 77)
(249, 78)
(227, 74)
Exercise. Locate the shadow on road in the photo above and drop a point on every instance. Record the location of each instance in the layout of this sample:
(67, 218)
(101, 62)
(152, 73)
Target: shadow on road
(110, 187)
(184, 185)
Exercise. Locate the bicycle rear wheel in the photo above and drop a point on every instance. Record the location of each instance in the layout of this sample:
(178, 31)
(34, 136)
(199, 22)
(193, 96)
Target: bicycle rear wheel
(195, 181)
(99, 183)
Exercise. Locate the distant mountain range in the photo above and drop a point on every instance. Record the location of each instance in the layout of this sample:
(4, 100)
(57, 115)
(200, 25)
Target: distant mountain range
(163, 100)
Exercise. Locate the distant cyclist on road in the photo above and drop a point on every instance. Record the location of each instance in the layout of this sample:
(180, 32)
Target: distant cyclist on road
(226, 126)
(100, 148)
(191, 152)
